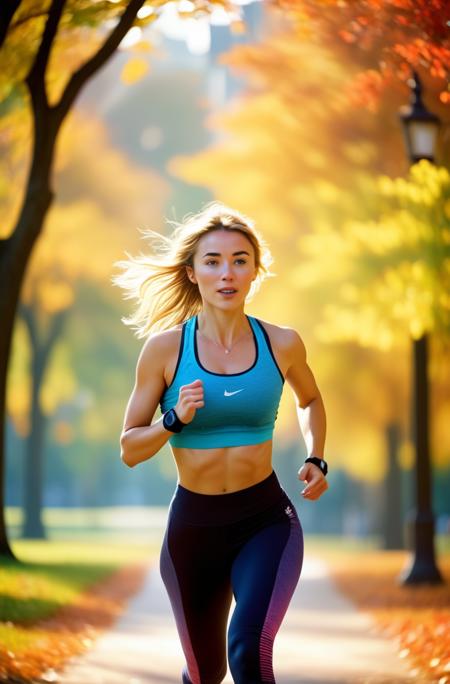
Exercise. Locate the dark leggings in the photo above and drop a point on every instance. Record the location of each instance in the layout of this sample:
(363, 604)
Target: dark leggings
(248, 544)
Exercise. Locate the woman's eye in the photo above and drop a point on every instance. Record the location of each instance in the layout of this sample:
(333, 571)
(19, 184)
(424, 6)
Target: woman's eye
(213, 262)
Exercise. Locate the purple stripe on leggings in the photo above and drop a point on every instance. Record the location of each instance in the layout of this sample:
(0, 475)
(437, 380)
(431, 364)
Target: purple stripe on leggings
(286, 580)
(168, 573)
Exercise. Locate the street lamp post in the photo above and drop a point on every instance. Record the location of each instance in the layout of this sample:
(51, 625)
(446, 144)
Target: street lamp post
(420, 128)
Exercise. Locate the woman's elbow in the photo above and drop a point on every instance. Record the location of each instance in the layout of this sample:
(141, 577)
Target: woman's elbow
(125, 460)
(125, 451)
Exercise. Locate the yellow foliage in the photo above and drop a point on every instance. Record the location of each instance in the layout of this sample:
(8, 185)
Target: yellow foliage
(72, 48)
(134, 70)
(82, 29)
(439, 441)
(81, 239)
(142, 46)
(76, 243)
(60, 382)
(15, 132)
(18, 381)
(359, 257)
(406, 455)
(237, 27)
(447, 214)
(364, 454)
(93, 429)
(54, 295)
(390, 275)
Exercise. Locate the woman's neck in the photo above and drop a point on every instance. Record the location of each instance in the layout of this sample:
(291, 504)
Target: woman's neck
(223, 327)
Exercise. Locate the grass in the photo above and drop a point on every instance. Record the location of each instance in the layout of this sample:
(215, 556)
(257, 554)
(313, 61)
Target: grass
(52, 574)
(117, 523)
(61, 594)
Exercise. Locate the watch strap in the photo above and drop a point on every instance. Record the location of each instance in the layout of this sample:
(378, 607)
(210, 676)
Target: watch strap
(174, 424)
(318, 462)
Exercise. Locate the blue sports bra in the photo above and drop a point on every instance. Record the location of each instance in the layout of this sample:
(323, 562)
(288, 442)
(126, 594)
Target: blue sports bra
(239, 408)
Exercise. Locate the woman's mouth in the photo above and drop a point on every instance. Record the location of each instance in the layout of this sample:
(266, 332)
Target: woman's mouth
(227, 291)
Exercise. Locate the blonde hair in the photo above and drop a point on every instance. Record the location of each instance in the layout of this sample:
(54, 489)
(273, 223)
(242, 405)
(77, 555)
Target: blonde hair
(159, 281)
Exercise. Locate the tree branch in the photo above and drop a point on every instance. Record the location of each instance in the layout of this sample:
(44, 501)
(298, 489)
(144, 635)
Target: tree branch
(79, 77)
(36, 78)
(26, 18)
(42, 344)
(7, 11)
(57, 323)
(25, 311)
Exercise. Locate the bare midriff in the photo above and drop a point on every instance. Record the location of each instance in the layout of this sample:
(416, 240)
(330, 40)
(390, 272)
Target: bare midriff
(225, 469)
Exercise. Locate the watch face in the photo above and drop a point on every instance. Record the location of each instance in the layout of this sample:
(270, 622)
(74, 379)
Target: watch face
(170, 418)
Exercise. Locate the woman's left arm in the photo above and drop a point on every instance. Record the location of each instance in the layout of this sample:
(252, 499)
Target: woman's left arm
(310, 411)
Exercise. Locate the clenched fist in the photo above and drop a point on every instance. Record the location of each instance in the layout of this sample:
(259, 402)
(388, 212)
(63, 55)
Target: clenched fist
(317, 483)
(190, 398)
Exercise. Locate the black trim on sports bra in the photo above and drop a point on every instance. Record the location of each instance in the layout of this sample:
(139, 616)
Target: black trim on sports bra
(225, 374)
(267, 338)
(180, 354)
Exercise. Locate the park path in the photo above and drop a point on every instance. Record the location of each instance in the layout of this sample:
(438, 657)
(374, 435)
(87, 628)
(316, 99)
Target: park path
(324, 639)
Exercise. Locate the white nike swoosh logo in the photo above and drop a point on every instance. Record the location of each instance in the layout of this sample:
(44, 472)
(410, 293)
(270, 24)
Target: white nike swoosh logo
(229, 394)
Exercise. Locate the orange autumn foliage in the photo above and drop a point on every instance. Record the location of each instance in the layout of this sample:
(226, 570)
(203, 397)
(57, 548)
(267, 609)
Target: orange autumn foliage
(418, 617)
(72, 630)
(401, 33)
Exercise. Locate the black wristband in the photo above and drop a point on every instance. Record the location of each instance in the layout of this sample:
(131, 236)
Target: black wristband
(171, 421)
(323, 465)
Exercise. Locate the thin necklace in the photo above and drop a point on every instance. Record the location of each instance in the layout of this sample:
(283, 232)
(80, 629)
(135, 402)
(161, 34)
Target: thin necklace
(227, 350)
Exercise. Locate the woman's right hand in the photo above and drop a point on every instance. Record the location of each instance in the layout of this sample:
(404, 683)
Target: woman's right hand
(190, 398)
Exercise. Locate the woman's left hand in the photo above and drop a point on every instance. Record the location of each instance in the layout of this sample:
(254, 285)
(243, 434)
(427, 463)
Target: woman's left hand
(316, 481)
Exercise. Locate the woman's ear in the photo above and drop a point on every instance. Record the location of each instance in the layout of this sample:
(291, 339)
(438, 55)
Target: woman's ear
(190, 274)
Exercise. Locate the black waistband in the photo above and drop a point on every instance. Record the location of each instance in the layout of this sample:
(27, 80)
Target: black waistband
(216, 509)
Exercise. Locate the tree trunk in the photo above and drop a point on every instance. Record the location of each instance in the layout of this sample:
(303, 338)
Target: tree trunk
(33, 527)
(392, 536)
(7, 319)
(41, 350)
(7, 11)
(14, 255)
(15, 251)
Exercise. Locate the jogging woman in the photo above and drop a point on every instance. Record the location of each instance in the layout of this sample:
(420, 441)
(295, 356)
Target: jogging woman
(218, 375)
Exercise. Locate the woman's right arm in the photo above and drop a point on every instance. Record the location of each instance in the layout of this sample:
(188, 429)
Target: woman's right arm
(140, 440)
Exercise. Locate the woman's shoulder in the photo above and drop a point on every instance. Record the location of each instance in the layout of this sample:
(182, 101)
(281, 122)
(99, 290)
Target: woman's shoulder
(162, 344)
(283, 337)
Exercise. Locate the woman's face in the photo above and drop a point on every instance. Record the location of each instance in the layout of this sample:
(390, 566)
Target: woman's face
(224, 267)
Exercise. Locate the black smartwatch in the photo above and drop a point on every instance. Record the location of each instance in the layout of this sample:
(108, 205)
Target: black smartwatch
(171, 421)
(318, 462)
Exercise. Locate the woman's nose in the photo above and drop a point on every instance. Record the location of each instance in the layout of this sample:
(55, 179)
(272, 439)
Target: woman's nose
(227, 271)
